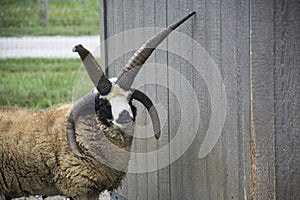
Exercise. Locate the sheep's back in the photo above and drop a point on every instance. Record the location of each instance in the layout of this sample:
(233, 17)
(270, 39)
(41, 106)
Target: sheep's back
(28, 149)
(36, 159)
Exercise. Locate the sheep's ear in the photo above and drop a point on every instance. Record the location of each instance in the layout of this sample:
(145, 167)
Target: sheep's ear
(146, 101)
(77, 110)
(136, 62)
(94, 70)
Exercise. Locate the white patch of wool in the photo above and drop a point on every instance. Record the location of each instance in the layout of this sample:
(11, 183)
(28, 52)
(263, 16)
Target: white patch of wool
(119, 103)
(113, 80)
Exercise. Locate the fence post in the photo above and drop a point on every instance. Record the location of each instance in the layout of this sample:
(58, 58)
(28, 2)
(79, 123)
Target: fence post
(43, 12)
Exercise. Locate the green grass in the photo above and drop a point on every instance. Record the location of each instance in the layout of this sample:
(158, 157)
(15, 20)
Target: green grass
(70, 17)
(37, 82)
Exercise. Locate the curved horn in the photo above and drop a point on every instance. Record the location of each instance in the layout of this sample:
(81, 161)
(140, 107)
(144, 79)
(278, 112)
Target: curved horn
(70, 129)
(146, 101)
(135, 63)
(83, 102)
(94, 70)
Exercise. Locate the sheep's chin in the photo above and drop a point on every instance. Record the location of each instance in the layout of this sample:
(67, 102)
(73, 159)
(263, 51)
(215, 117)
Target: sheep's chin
(124, 126)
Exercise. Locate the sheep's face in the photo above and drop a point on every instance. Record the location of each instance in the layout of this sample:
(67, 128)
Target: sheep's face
(116, 107)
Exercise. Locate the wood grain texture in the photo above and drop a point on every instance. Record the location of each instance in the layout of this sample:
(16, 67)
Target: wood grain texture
(176, 181)
(243, 96)
(104, 35)
(262, 96)
(216, 171)
(110, 65)
(150, 89)
(231, 76)
(287, 95)
(255, 45)
(200, 179)
(162, 99)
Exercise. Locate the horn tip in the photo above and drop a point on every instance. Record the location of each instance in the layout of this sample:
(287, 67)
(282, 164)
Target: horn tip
(157, 135)
(191, 14)
(76, 47)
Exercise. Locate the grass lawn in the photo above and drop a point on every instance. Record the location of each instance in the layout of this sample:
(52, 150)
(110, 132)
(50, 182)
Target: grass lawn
(70, 17)
(37, 82)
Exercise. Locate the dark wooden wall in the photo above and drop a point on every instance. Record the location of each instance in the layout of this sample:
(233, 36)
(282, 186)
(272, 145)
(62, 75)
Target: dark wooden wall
(255, 45)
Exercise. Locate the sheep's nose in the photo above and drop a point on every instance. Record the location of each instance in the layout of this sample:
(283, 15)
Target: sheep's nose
(124, 118)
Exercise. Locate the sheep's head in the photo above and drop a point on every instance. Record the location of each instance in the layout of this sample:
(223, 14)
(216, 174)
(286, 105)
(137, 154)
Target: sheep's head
(113, 97)
(113, 103)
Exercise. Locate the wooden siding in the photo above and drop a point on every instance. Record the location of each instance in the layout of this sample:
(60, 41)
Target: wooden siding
(255, 45)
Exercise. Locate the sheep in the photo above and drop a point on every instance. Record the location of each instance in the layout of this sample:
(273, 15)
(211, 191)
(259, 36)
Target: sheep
(81, 150)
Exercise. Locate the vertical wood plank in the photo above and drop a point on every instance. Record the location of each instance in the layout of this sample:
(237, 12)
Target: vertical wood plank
(189, 158)
(140, 143)
(150, 89)
(163, 101)
(200, 166)
(231, 76)
(287, 95)
(118, 28)
(174, 105)
(128, 24)
(110, 65)
(262, 95)
(215, 160)
(103, 33)
(243, 97)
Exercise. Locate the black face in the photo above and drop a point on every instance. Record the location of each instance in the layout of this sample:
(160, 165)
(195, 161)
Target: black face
(103, 110)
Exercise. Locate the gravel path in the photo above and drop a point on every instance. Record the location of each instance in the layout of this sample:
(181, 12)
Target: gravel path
(45, 46)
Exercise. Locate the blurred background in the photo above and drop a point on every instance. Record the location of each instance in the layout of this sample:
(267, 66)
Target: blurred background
(37, 65)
